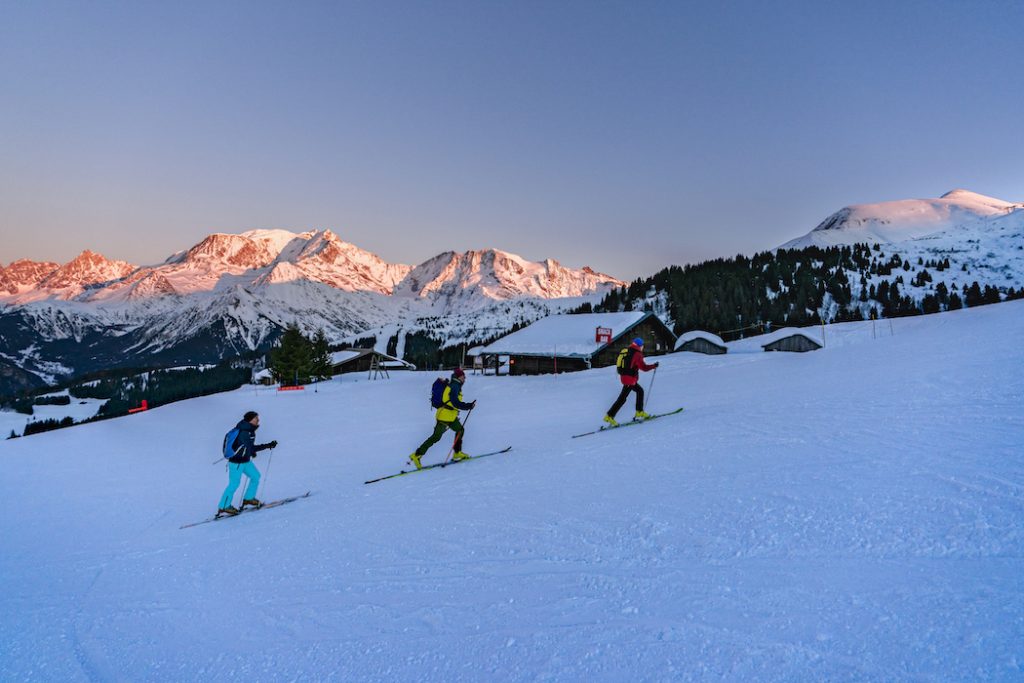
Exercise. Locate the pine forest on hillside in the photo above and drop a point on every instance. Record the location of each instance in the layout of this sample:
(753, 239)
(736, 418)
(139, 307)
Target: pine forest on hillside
(740, 296)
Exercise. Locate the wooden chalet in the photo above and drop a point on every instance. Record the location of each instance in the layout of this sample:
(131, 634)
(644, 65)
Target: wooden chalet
(566, 343)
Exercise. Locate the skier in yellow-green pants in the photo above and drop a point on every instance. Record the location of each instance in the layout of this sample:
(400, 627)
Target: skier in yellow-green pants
(448, 403)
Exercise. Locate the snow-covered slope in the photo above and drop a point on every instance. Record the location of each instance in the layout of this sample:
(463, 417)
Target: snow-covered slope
(907, 219)
(851, 514)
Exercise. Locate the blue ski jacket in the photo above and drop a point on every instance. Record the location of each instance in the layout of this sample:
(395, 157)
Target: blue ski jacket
(245, 443)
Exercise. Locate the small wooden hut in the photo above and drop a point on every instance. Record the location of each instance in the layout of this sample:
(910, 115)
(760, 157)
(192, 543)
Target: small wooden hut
(793, 340)
(362, 360)
(699, 341)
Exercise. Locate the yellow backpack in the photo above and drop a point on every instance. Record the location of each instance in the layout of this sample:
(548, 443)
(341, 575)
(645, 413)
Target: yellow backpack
(624, 362)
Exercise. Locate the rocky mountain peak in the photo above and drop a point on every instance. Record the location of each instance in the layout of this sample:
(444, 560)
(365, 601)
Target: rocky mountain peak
(24, 274)
(86, 269)
(231, 250)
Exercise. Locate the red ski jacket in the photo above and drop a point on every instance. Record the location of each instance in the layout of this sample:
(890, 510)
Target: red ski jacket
(635, 365)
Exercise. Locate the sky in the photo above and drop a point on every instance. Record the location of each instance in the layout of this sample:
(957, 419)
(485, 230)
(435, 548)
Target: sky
(624, 136)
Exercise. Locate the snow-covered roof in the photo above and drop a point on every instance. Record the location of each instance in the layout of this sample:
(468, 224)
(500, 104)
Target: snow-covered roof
(772, 337)
(756, 343)
(263, 374)
(475, 351)
(699, 334)
(391, 364)
(348, 354)
(565, 335)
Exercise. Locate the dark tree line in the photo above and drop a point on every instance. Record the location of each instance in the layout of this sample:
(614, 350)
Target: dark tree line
(746, 295)
(161, 387)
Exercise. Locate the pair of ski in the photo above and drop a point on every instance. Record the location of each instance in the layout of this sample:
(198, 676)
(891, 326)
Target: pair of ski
(439, 464)
(244, 510)
(285, 501)
(631, 423)
(506, 450)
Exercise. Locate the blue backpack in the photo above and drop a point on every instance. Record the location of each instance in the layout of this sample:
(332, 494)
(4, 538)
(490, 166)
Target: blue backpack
(229, 444)
(437, 393)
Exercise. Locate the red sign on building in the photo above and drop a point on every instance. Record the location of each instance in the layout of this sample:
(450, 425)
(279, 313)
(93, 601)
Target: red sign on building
(603, 335)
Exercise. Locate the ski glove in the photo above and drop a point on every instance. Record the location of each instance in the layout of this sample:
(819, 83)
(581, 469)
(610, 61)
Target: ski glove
(272, 445)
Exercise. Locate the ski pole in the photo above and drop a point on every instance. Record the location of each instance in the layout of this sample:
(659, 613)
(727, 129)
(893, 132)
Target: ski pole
(650, 389)
(242, 489)
(266, 473)
(450, 450)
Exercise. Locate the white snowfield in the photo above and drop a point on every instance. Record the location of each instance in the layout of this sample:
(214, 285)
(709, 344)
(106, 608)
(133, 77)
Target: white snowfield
(956, 211)
(851, 514)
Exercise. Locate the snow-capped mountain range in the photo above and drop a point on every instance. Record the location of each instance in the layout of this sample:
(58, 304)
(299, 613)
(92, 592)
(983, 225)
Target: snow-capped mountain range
(234, 293)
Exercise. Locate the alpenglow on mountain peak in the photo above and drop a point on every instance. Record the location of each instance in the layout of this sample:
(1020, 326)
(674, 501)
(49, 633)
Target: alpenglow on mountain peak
(235, 293)
(905, 219)
(260, 258)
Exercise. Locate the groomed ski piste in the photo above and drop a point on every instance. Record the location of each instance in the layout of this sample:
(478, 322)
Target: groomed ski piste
(850, 514)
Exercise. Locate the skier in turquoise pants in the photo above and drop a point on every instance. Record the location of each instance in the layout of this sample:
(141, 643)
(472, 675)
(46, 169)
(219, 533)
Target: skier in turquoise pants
(245, 449)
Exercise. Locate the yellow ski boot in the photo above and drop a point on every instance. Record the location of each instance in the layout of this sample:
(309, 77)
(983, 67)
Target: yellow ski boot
(415, 460)
(611, 421)
(641, 415)
(460, 456)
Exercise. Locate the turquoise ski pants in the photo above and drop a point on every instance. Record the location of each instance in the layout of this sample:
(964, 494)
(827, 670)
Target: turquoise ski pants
(235, 472)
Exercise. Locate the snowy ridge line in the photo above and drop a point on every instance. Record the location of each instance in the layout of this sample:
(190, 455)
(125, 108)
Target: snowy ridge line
(234, 294)
(957, 211)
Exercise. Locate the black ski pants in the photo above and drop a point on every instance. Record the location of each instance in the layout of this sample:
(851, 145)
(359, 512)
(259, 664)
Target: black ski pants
(624, 394)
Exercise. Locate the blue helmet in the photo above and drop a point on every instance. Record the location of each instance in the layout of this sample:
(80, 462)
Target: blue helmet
(638, 341)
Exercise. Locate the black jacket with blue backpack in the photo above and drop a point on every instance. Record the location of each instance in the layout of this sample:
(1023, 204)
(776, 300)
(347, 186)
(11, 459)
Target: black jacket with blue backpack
(244, 444)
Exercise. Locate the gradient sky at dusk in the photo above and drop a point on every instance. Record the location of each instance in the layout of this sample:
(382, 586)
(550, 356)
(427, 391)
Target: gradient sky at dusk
(625, 136)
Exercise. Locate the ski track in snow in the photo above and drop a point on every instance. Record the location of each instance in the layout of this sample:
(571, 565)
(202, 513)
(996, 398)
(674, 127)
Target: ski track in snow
(849, 514)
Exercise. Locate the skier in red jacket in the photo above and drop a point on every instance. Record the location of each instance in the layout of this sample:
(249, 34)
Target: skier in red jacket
(629, 364)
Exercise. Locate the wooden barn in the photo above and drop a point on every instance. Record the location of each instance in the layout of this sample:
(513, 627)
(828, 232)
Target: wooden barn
(699, 341)
(793, 340)
(484, 363)
(567, 343)
(361, 360)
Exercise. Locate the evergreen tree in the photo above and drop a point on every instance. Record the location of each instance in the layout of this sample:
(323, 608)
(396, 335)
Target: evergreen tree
(290, 361)
(973, 296)
(320, 360)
